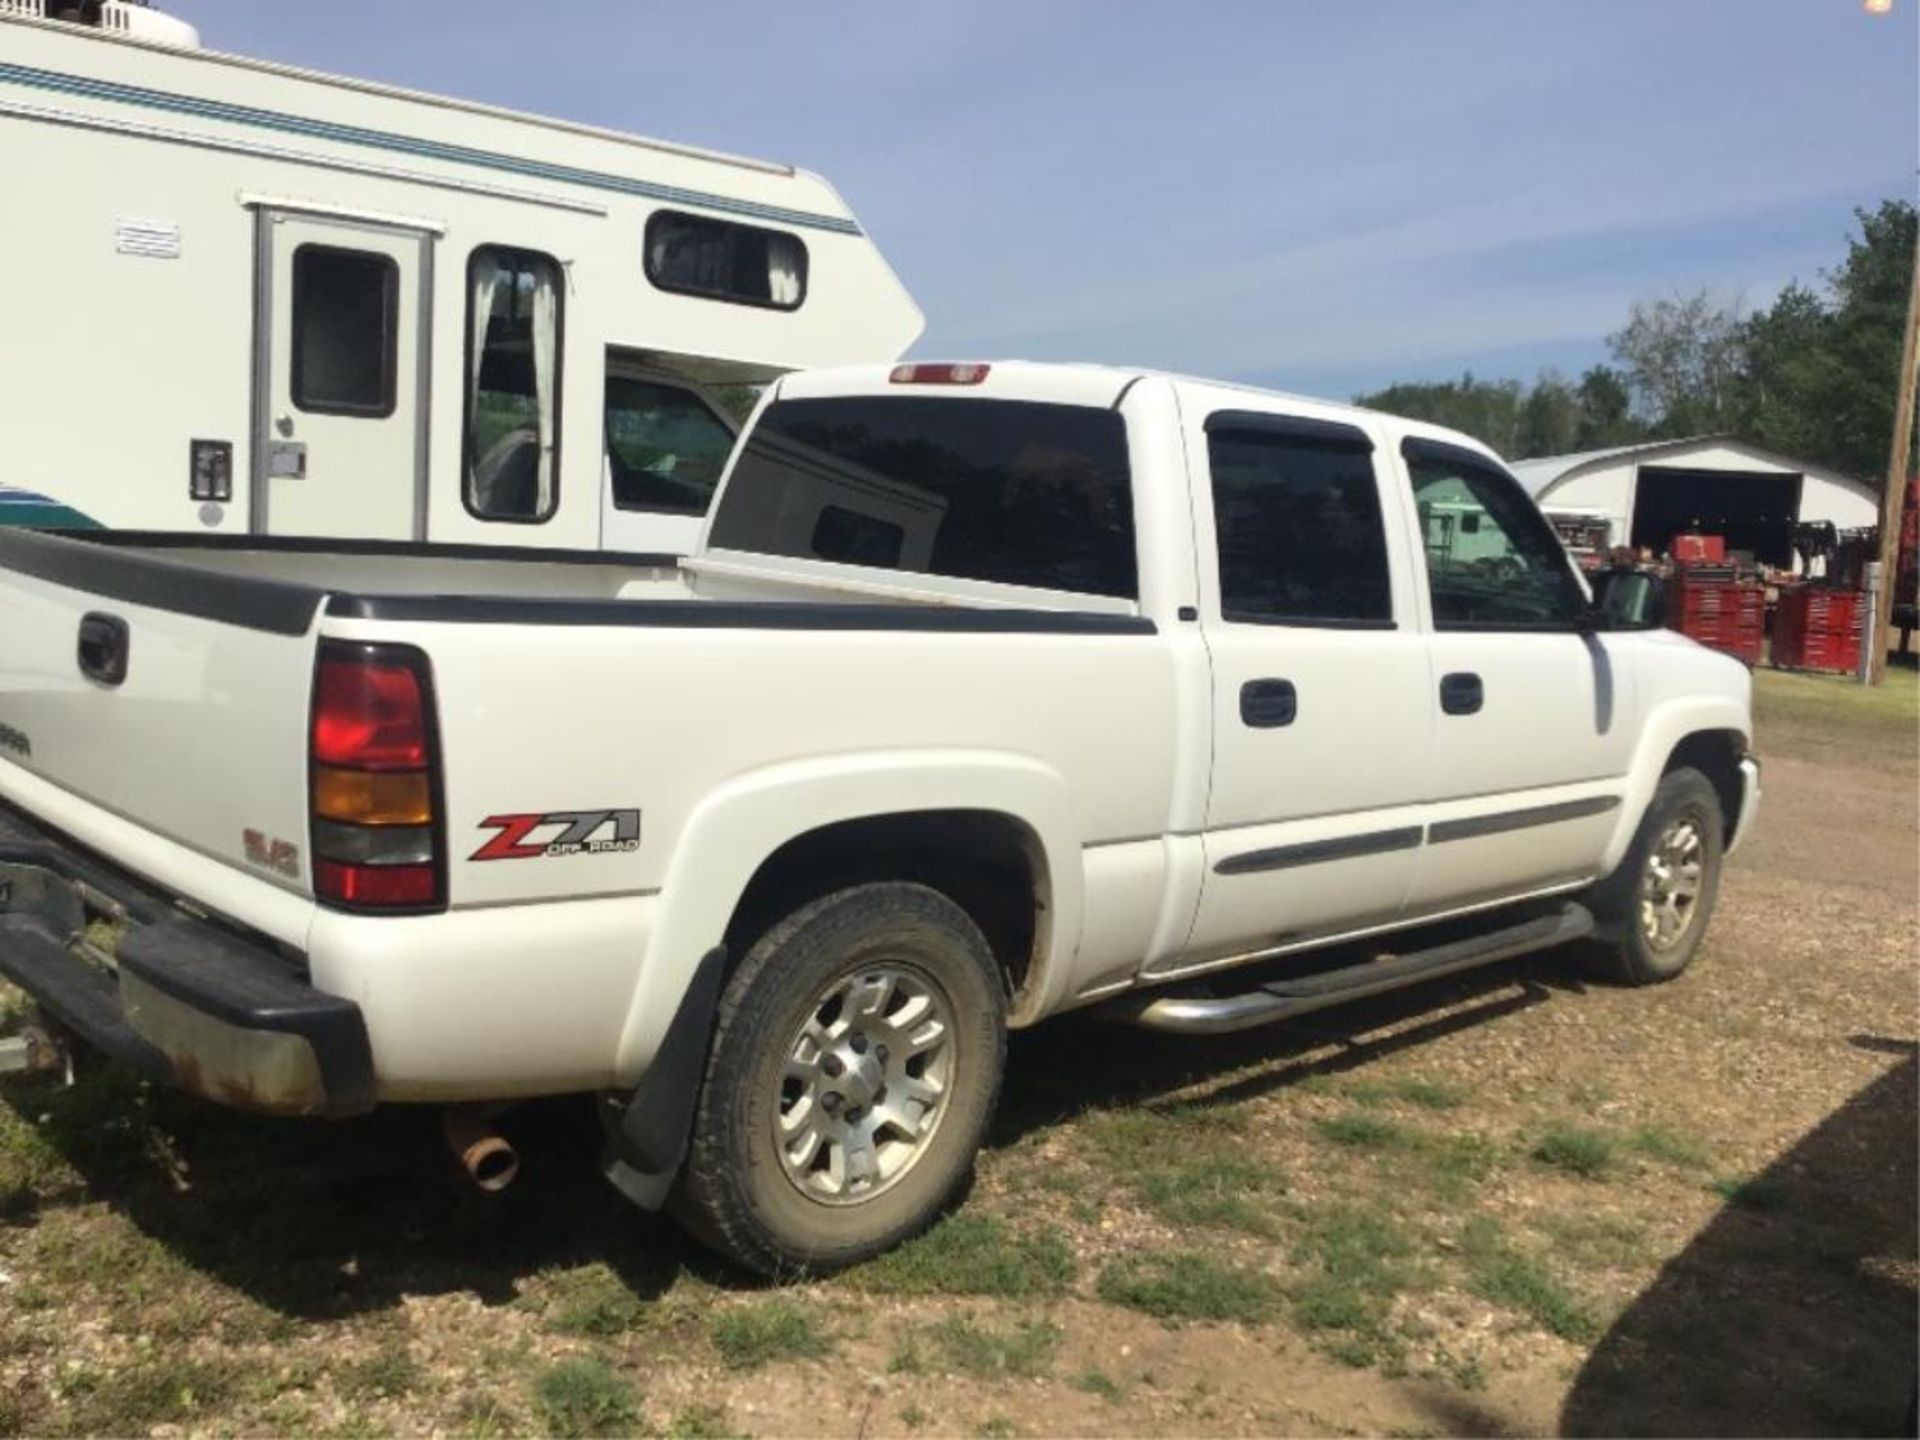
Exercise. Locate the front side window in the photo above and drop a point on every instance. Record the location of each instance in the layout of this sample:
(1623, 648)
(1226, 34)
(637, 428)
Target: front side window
(719, 260)
(513, 384)
(1493, 563)
(1297, 524)
(345, 333)
(1008, 491)
(665, 449)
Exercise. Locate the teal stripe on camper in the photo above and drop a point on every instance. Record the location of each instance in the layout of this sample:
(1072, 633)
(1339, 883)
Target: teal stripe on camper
(91, 89)
(40, 515)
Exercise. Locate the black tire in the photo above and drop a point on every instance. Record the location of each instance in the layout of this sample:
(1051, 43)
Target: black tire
(1627, 955)
(735, 1192)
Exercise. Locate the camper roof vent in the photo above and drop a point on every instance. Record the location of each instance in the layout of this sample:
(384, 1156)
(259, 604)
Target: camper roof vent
(135, 19)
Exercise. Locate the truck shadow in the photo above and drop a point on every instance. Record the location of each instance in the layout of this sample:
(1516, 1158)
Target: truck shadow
(1792, 1312)
(327, 1220)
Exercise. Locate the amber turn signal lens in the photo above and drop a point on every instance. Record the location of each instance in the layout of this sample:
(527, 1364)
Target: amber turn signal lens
(371, 797)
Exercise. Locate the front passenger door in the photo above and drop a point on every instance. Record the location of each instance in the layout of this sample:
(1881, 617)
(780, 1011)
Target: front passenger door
(1533, 720)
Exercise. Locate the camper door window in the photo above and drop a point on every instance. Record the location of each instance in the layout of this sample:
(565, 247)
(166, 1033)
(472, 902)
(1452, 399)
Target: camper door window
(513, 385)
(345, 339)
(718, 260)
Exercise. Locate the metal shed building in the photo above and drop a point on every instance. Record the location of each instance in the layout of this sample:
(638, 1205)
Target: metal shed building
(1712, 484)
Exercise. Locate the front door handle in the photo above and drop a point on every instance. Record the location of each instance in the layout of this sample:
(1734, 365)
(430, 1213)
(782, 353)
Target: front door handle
(1462, 693)
(103, 647)
(1268, 704)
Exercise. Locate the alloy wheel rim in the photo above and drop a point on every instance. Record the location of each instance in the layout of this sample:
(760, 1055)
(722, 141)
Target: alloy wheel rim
(864, 1085)
(1670, 883)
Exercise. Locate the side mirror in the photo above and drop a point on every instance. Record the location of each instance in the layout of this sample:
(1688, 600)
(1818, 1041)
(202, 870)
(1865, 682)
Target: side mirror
(1628, 600)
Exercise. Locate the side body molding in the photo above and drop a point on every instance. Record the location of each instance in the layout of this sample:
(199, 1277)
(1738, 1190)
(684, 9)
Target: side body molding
(742, 823)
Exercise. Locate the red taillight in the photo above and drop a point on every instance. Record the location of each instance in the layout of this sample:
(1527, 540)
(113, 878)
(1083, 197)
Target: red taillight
(373, 718)
(911, 374)
(368, 715)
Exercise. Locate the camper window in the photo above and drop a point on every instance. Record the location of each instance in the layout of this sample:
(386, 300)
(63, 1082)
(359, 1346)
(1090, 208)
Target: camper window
(513, 385)
(718, 260)
(344, 336)
(665, 449)
(1297, 521)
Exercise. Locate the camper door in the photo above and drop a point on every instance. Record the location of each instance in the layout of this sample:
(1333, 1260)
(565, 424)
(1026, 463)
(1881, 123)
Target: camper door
(340, 378)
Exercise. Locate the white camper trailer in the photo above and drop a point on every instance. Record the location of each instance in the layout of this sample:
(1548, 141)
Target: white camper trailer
(254, 299)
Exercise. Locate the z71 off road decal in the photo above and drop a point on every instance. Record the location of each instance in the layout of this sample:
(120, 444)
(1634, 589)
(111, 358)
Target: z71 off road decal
(579, 833)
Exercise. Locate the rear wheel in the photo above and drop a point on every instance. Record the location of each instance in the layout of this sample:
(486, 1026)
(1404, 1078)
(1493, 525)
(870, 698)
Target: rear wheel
(853, 1071)
(1658, 902)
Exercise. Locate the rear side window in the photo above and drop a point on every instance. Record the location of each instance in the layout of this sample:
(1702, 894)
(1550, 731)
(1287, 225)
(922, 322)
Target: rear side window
(719, 260)
(514, 304)
(1296, 512)
(1493, 562)
(345, 336)
(1007, 491)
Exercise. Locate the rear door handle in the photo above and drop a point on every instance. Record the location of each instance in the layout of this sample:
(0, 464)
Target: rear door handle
(1268, 704)
(1462, 693)
(102, 651)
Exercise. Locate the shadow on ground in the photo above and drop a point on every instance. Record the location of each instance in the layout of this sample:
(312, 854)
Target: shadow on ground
(1793, 1312)
(324, 1220)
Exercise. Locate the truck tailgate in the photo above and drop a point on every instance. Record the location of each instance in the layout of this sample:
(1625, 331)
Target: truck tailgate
(174, 698)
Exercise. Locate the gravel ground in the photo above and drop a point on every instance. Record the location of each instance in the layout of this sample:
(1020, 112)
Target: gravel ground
(1510, 1203)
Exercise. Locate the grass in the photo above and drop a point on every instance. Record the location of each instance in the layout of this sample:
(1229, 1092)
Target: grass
(135, 1399)
(1098, 1382)
(755, 1334)
(974, 1254)
(584, 1397)
(1669, 1147)
(1188, 1164)
(1423, 1094)
(387, 1374)
(970, 1347)
(1589, 1154)
(1757, 1193)
(1498, 1272)
(1445, 1164)
(699, 1422)
(1595, 1240)
(1182, 1285)
(1357, 1259)
(592, 1300)
(1890, 708)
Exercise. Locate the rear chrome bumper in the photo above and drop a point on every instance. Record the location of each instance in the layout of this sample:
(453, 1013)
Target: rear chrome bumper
(1749, 801)
(181, 998)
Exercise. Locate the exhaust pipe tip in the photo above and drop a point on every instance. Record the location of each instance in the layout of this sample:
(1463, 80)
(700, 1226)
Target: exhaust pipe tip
(487, 1157)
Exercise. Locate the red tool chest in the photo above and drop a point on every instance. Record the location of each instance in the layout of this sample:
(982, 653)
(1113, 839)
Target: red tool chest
(1723, 614)
(1818, 629)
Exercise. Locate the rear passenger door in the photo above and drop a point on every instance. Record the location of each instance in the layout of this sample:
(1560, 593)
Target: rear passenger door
(1321, 688)
(1534, 721)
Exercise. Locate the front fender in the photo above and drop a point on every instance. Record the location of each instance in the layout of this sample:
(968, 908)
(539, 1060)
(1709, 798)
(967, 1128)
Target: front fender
(1666, 725)
(743, 822)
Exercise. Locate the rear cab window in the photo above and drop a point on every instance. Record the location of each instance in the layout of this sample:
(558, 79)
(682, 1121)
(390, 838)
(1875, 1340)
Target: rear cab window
(1021, 493)
(1297, 522)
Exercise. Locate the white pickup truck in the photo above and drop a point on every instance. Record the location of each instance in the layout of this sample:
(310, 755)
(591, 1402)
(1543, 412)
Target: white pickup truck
(991, 692)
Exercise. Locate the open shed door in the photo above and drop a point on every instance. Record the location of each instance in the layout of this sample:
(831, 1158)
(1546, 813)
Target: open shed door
(340, 377)
(1754, 509)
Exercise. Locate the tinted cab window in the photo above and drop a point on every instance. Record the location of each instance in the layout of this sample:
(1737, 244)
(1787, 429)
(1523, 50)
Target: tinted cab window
(1296, 513)
(1493, 562)
(665, 449)
(1008, 491)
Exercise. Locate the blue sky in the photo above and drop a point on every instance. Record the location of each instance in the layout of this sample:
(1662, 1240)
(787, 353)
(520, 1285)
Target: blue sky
(1323, 197)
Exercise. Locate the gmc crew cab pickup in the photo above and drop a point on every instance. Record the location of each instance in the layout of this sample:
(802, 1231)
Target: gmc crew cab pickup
(992, 691)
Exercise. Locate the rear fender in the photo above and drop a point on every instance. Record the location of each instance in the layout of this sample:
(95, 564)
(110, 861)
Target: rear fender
(736, 829)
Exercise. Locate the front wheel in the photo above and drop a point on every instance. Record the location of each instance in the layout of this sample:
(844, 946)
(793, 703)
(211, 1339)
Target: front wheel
(1656, 905)
(854, 1068)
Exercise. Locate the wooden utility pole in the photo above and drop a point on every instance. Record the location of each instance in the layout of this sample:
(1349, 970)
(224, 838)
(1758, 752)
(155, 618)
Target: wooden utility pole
(1893, 496)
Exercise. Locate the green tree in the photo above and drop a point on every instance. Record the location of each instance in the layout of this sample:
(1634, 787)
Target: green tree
(1606, 411)
(1683, 357)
